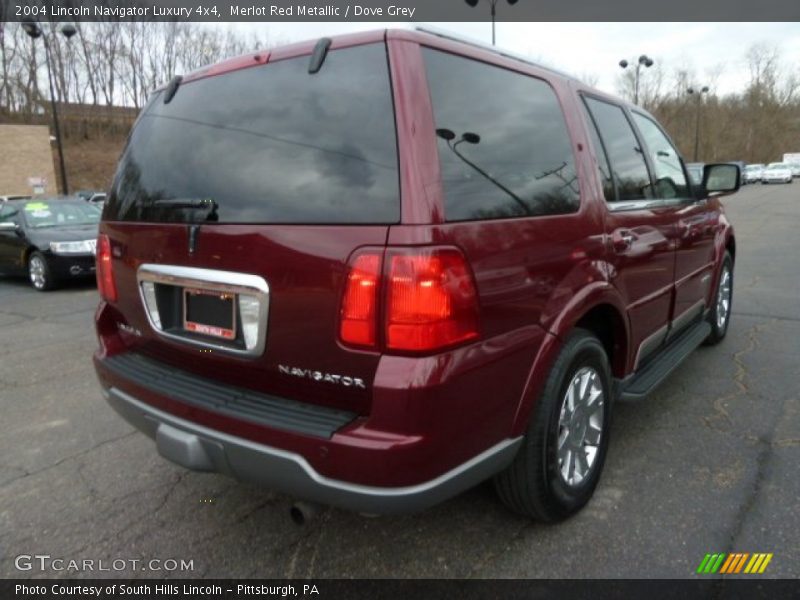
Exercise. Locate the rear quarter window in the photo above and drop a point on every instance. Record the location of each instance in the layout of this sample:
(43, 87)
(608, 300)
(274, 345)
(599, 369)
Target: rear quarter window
(503, 143)
(268, 144)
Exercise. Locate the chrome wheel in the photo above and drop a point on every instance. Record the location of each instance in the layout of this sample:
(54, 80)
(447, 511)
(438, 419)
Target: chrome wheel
(724, 298)
(580, 426)
(37, 271)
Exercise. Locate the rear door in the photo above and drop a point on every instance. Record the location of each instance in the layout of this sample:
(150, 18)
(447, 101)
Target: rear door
(268, 172)
(640, 227)
(12, 243)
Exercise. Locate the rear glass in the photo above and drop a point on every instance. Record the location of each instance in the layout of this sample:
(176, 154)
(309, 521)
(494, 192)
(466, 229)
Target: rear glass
(268, 144)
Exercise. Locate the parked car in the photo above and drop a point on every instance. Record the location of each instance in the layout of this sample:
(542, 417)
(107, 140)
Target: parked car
(323, 271)
(695, 172)
(49, 239)
(753, 173)
(86, 194)
(777, 173)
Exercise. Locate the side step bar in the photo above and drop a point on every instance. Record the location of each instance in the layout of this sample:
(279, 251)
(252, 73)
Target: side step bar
(644, 381)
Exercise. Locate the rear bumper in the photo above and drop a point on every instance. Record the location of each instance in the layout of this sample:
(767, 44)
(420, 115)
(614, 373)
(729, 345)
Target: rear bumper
(203, 449)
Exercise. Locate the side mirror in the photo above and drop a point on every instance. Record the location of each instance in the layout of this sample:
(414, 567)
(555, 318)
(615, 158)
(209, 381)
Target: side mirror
(721, 179)
(8, 226)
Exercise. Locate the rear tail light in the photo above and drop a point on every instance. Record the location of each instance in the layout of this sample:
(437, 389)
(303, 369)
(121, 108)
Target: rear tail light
(105, 273)
(360, 304)
(430, 297)
(431, 300)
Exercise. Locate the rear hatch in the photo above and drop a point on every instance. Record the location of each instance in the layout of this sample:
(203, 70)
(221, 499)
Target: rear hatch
(268, 171)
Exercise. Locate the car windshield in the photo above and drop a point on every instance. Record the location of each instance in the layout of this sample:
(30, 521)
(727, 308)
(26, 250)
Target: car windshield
(59, 213)
(754, 167)
(775, 166)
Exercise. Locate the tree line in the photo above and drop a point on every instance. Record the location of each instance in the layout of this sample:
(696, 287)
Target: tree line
(756, 125)
(110, 63)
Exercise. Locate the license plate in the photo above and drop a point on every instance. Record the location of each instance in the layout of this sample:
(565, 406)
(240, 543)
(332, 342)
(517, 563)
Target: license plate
(209, 313)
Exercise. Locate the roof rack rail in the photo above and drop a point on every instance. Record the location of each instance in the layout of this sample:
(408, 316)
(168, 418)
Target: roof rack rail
(444, 34)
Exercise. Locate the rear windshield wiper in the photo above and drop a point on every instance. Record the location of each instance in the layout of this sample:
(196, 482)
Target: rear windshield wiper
(208, 204)
(181, 203)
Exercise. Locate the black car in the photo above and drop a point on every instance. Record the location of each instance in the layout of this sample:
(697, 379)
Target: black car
(50, 239)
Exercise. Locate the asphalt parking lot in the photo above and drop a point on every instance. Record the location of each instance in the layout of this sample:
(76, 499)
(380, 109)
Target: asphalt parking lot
(706, 464)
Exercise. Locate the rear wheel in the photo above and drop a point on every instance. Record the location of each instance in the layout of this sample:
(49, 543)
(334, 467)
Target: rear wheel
(720, 314)
(559, 463)
(39, 272)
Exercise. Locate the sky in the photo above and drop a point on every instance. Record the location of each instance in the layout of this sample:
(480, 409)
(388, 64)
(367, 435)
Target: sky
(714, 51)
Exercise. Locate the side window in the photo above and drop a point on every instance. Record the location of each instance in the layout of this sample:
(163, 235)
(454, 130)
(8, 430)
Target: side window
(504, 147)
(670, 179)
(627, 161)
(7, 214)
(602, 158)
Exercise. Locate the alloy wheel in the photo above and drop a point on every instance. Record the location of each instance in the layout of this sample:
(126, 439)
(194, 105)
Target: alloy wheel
(724, 298)
(36, 271)
(580, 426)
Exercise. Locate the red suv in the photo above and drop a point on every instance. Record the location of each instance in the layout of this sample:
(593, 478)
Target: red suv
(375, 270)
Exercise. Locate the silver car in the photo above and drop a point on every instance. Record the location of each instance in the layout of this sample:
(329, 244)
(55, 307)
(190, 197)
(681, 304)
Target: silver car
(752, 173)
(777, 173)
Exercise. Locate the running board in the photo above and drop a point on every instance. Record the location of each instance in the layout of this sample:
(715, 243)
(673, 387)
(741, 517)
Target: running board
(641, 383)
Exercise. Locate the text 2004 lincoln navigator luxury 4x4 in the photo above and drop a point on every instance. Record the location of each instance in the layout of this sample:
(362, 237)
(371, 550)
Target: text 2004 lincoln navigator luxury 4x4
(377, 270)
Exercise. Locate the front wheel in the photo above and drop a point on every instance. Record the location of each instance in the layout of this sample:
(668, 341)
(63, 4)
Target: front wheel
(39, 272)
(720, 314)
(559, 463)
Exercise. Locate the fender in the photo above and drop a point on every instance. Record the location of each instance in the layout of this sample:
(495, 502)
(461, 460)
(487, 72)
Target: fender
(595, 294)
(725, 234)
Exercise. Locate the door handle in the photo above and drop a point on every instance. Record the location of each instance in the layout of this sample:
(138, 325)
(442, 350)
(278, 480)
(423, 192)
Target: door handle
(622, 240)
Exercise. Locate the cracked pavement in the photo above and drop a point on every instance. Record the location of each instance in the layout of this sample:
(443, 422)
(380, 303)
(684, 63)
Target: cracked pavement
(708, 463)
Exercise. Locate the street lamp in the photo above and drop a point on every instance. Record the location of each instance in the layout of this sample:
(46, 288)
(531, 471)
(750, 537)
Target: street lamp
(493, 4)
(33, 30)
(700, 92)
(644, 61)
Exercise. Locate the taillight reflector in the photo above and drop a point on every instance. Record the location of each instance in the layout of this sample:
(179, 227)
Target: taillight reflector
(432, 302)
(105, 273)
(360, 303)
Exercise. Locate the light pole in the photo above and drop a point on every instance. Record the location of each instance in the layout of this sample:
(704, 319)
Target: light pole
(644, 61)
(34, 31)
(493, 4)
(700, 92)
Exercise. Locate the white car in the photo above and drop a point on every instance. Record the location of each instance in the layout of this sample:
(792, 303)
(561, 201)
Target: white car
(777, 173)
(752, 173)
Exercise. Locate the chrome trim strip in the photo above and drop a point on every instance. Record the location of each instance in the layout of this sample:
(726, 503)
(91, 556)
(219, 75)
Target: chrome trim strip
(650, 340)
(646, 203)
(210, 279)
(686, 316)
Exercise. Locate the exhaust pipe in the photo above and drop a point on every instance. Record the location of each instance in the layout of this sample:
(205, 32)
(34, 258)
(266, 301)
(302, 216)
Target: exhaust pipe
(302, 512)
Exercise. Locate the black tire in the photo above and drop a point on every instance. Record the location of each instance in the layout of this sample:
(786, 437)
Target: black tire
(718, 330)
(38, 264)
(533, 484)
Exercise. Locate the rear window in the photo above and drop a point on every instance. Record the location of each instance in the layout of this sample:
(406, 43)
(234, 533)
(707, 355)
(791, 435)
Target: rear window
(268, 144)
(503, 143)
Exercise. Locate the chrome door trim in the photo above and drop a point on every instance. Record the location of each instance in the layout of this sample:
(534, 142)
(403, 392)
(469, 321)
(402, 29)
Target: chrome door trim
(649, 344)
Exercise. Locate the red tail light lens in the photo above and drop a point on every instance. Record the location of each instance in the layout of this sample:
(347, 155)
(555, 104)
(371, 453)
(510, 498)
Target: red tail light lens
(432, 302)
(360, 303)
(105, 273)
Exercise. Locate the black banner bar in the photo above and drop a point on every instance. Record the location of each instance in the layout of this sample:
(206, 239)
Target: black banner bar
(324, 589)
(399, 10)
